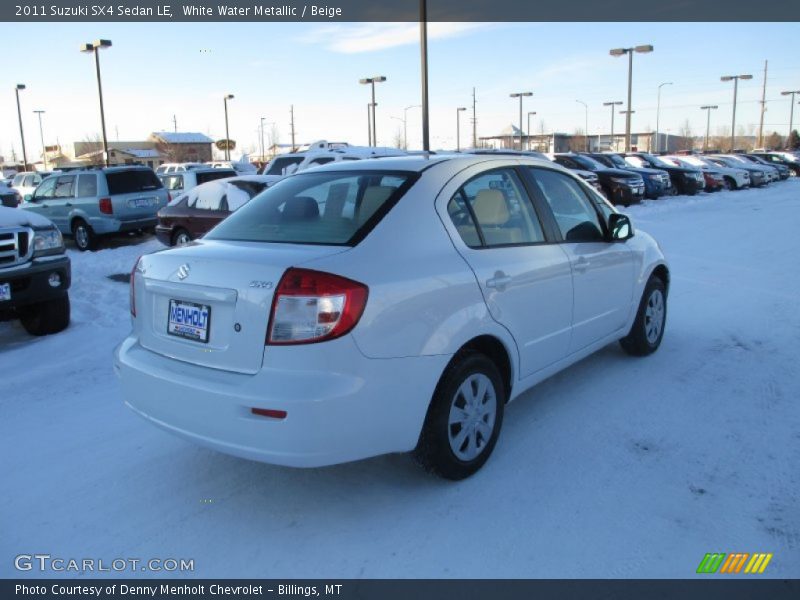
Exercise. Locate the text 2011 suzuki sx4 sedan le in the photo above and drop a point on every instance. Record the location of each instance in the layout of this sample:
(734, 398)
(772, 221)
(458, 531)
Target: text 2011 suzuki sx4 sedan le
(395, 305)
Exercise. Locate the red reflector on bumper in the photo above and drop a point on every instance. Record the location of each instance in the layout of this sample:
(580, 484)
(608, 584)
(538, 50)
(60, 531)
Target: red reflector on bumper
(268, 412)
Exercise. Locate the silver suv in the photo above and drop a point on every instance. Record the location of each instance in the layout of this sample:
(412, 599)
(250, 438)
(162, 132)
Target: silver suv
(90, 203)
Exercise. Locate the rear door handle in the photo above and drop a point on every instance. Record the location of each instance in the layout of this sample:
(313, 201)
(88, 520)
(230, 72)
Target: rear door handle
(581, 265)
(68, 204)
(499, 281)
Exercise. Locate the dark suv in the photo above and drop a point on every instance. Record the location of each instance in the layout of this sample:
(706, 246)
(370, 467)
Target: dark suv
(685, 180)
(620, 186)
(34, 272)
(656, 181)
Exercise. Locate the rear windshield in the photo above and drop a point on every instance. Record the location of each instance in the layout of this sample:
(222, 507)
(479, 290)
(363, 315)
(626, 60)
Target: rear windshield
(284, 165)
(135, 180)
(332, 208)
(207, 176)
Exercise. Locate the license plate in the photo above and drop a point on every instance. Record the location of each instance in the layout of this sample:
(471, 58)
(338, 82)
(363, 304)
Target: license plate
(141, 202)
(5, 291)
(189, 320)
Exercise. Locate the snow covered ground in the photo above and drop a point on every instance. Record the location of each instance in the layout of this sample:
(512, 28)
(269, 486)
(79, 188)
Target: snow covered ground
(617, 467)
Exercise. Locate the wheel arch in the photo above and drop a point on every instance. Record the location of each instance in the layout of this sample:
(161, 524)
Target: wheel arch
(662, 272)
(496, 351)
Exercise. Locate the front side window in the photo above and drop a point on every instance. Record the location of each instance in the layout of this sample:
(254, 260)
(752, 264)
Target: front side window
(46, 189)
(173, 183)
(493, 209)
(576, 218)
(220, 173)
(334, 208)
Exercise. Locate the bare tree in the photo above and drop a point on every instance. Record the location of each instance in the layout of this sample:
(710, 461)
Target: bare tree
(686, 139)
(397, 138)
(577, 141)
(775, 140)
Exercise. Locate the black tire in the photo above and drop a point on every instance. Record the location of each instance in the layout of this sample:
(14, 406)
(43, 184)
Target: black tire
(84, 236)
(179, 234)
(434, 451)
(642, 339)
(48, 317)
(730, 183)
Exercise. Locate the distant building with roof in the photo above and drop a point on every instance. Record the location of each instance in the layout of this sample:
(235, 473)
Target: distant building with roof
(158, 148)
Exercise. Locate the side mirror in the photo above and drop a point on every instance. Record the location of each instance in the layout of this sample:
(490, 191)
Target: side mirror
(28, 198)
(619, 227)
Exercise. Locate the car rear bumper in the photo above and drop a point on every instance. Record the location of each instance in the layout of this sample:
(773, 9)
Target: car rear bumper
(340, 406)
(30, 281)
(110, 225)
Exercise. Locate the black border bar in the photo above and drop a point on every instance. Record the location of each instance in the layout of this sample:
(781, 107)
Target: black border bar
(710, 588)
(400, 10)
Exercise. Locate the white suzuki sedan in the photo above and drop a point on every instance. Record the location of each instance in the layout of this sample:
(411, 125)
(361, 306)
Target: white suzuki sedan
(390, 305)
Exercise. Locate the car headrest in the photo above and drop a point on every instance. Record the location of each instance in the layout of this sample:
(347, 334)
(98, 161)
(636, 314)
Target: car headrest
(490, 207)
(374, 197)
(300, 208)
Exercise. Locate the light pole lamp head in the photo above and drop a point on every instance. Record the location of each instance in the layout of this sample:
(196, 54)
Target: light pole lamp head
(20, 86)
(615, 103)
(644, 49)
(379, 79)
(619, 51)
(745, 76)
(89, 47)
(709, 107)
(102, 43)
(228, 96)
(460, 108)
(789, 93)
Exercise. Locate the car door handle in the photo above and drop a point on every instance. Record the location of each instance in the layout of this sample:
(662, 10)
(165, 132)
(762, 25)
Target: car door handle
(68, 204)
(499, 281)
(581, 265)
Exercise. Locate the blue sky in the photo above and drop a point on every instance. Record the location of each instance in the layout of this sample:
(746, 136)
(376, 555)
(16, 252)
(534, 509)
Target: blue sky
(157, 70)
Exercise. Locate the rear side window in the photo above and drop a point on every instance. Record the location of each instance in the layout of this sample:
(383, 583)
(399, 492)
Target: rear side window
(135, 180)
(333, 208)
(87, 185)
(497, 203)
(214, 175)
(17, 180)
(65, 185)
(576, 217)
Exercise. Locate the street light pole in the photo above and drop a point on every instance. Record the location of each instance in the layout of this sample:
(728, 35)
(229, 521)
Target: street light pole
(791, 110)
(629, 51)
(532, 112)
(611, 144)
(586, 131)
(262, 139)
(373, 141)
(628, 114)
(405, 124)
(735, 79)
(658, 113)
(458, 128)
(519, 95)
(423, 51)
(708, 110)
(225, 99)
(95, 48)
(21, 86)
(41, 135)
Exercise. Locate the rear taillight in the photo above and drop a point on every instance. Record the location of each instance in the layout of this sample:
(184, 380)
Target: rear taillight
(132, 289)
(105, 206)
(311, 306)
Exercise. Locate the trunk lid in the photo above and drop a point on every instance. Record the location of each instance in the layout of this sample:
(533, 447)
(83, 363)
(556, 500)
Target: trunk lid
(233, 281)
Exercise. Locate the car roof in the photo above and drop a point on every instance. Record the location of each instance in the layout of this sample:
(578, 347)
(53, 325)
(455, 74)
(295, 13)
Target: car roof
(421, 162)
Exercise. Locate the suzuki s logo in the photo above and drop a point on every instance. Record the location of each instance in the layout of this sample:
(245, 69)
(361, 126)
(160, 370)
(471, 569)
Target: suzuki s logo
(183, 271)
(266, 285)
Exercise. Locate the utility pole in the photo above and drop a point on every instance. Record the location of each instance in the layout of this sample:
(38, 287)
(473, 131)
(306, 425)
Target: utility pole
(41, 135)
(263, 150)
(474, 122)
(291, 111)
(174, 123)
(658, 113)
(21, 86)
(708, 110)
(763, 108)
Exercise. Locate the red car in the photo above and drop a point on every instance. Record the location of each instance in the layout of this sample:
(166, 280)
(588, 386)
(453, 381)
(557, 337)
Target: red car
(194, 213)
